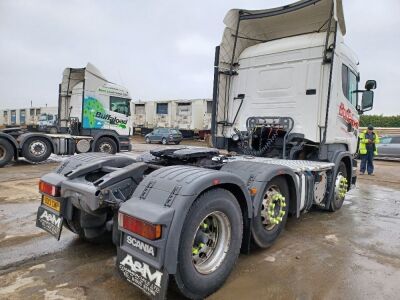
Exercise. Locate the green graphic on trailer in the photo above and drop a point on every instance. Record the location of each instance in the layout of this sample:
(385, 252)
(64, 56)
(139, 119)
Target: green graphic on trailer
(96, 116)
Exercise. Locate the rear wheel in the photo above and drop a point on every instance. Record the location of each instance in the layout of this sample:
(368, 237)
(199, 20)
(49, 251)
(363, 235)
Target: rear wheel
(36, 149)
(272, 213)
(164, 141)
(340, 189)
(89, 227)
(6, 152)
(106, 145)
(209, 244)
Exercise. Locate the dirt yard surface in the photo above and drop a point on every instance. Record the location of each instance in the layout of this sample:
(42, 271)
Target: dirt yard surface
(351, 254)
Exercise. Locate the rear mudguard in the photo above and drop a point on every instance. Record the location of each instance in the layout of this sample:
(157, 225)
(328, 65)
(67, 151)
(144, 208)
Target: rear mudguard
(94, 197)
(166, 195)
(258, 175)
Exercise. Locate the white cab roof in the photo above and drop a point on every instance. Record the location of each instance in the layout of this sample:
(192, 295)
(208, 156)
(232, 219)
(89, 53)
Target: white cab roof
(258, 26)
(287, 44)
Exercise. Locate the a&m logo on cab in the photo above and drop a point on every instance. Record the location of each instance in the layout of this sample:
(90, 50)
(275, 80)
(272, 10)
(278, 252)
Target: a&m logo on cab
(348, 116)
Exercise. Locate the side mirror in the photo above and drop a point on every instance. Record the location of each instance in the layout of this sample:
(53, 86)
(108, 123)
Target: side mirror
(370, 85)
(367, 101)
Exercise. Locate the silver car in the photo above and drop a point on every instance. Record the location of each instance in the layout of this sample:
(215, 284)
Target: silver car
(389, 146)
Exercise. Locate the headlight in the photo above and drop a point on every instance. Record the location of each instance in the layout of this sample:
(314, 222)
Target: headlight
(235, 137)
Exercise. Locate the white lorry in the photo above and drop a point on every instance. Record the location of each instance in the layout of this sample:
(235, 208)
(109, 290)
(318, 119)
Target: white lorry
(48, 123)
(93, 115)
(285, 100)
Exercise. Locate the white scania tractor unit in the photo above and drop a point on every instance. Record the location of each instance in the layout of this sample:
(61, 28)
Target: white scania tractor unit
(93, 115)
(285, 107)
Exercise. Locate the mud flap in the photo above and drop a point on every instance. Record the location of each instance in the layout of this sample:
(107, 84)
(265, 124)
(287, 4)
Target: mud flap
(153, 282)
(49, 221)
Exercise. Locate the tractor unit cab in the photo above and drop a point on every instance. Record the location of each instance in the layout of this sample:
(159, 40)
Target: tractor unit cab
(48, 122)
(89, 104)
(285, 86)
(93, 116)
(285, 83)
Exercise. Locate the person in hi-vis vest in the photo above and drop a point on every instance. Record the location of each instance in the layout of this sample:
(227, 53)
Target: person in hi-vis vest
(367, 148)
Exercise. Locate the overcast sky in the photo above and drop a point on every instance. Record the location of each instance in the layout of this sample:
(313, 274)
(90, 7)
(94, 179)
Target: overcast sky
(161, 49)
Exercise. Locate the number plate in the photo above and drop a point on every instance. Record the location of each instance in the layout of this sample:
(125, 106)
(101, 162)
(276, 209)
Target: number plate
(49, 221)
(52, 203)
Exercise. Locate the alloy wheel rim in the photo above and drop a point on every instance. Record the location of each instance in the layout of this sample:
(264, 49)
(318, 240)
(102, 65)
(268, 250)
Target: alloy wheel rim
(37, 148)
(273, 208)
(341, 187)
(105, 148)
(211, 242)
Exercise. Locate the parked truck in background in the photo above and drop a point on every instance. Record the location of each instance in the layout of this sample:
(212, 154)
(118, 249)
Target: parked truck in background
(48, 123)
(93, 115)
(285, 101)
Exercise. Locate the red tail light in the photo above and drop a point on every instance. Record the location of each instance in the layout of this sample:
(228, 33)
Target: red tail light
(49, 189)
(142, 228)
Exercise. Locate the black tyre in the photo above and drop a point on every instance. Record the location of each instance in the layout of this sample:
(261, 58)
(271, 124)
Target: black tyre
(6, 152)
(177, 143)
(340, 188)
(209, 244)
(148, 140)
(88, 227)
(36, 149)
(164, 141)
(106, 145)
(272, 213)
(74, 224)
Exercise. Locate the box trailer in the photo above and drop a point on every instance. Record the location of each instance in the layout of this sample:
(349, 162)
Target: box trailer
(206, 126)
(163, 113)
(143, 113)
(190, 116)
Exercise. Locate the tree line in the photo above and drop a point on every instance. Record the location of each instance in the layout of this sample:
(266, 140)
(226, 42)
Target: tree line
(380, 121)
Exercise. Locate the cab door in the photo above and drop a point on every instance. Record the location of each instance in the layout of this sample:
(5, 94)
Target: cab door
(345, 128)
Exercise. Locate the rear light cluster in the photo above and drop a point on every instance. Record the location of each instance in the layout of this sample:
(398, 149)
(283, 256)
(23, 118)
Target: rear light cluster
(49, 189)
(140, 227)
